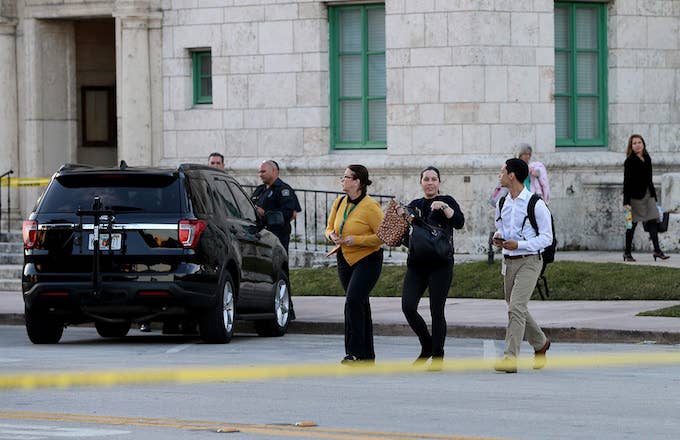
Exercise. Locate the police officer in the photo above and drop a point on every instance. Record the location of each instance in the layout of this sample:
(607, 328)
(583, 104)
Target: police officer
(276, 195)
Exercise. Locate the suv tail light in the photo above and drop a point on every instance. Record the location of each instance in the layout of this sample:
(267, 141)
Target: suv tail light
(29, 229)
(189, 231)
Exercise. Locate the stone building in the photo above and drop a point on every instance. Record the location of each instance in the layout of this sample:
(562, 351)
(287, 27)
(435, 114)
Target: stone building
(396, 85)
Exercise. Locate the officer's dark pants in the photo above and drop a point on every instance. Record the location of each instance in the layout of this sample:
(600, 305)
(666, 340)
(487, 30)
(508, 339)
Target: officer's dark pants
(358, 280)
(438, 280)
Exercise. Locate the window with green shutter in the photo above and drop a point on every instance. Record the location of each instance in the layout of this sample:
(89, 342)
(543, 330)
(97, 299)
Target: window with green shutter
(580, 74)
(202, 76)
(358, 82)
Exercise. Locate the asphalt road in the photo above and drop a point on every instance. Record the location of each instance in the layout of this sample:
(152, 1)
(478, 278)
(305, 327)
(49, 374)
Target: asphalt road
(590, 401)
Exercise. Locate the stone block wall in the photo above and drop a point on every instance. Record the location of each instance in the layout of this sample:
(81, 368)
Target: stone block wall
(644, 73)
(270, 79)
(467, 79)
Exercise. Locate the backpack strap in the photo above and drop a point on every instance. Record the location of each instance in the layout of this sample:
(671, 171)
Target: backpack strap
(501, 202)
(531, 211)
(531, 215)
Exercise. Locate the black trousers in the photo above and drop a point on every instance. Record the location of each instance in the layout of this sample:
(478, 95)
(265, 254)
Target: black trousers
(438, 280)
(358, 280)
(653, 235)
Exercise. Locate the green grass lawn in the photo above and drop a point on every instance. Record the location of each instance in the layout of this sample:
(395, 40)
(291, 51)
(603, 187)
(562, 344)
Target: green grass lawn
(670, 312)
(568, 280)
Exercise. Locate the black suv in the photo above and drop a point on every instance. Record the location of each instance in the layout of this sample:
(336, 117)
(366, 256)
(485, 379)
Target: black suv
(117, 246)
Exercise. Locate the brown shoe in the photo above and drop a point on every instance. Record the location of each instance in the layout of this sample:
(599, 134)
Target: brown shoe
(508, 365)
(539, 356)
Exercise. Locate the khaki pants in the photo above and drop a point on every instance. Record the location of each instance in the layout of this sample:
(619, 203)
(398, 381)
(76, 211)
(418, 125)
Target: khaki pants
(519, 282)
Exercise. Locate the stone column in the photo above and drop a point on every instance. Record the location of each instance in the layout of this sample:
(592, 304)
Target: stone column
(9, 133)
(133, 82)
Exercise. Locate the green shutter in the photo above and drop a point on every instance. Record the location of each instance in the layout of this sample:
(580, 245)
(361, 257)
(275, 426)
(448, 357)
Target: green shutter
(202, 76)
(580, 74)
(358, 77)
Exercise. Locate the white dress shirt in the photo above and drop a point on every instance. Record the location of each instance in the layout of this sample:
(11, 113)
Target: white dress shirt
(510, 225)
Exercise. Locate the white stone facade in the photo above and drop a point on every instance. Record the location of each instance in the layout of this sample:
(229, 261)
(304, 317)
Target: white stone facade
(466, 80)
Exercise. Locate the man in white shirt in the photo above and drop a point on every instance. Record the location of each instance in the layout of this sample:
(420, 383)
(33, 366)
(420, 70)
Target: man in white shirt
(521, 266)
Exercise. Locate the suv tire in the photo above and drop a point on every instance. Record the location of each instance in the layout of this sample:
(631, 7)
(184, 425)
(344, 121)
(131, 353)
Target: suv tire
(42, 329)
(282, 309)
(217, 325)
(112, 329)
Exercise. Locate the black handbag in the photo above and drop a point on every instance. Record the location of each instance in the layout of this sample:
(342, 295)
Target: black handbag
(429, 244)
(663, 224)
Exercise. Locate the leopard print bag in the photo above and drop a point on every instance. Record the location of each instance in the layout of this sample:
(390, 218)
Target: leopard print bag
(393, 227)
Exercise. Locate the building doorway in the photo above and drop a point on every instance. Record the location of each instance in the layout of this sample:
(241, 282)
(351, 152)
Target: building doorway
(95, 41)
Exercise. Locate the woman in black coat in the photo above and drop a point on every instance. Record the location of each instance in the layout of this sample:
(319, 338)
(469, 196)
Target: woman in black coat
(639, 195)
(441, 211)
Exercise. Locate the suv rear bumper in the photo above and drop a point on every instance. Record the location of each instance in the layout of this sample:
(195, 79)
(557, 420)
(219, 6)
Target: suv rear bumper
(76, 301)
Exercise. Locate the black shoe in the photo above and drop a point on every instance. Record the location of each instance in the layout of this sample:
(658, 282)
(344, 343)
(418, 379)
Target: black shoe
(660, 255)
(353, 361)
(437, 364)
(629, 257)
(422, 357)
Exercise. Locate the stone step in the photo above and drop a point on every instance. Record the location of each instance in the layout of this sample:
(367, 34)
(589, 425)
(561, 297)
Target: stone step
(10, 285)
(10, 271)
(12, 248)
(12, 259)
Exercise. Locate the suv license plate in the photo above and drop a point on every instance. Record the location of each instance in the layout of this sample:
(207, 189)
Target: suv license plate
(105, 242)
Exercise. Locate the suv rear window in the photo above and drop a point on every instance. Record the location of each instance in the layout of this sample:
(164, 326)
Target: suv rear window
(119, 192)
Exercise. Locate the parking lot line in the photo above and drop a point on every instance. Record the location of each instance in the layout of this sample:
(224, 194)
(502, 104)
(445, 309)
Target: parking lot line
(252, 428)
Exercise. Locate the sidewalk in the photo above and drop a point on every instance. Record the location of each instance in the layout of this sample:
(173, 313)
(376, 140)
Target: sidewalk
(587, 321)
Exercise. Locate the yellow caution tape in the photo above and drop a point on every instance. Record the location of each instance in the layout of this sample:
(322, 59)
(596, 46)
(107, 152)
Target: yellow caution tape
(25, 181)
(272, 372)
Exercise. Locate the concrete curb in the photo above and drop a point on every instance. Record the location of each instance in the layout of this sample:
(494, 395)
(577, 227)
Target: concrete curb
(557, 334)
(563, 334)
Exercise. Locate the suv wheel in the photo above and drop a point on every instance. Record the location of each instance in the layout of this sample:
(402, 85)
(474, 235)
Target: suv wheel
(217, 326)
(282, 308)
(42, 329)
(112, 329)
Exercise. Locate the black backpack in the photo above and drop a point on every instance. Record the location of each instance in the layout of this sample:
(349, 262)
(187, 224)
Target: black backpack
(548, 254)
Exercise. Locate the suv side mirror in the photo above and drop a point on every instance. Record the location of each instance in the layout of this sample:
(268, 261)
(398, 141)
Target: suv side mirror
(273, 218)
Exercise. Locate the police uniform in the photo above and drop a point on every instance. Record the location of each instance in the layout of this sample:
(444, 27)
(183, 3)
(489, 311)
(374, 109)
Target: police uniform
(278, 197)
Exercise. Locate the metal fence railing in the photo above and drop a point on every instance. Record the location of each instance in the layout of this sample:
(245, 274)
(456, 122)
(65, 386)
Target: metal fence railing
(6, 176)
(309, 226)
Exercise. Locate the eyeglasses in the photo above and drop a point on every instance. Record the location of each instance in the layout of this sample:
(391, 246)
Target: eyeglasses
(347, 178)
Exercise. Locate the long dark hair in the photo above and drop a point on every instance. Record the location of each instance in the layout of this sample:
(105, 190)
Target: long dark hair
(629, 150)
(361, 174)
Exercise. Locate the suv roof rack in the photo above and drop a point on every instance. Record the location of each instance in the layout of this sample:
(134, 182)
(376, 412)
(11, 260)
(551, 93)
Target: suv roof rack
(73, 166)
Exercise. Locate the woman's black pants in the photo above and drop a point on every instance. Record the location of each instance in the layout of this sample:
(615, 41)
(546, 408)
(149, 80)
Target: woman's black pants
(438, 280)
(358, 280)
(653, 228)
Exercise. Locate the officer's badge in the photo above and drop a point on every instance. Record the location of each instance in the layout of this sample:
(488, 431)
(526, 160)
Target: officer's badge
(285, 192)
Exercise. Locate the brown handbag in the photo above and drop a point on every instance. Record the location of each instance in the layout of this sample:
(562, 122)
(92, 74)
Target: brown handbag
(393, 226)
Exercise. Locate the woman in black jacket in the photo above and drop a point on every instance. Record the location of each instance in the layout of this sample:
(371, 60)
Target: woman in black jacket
(441, 211)
(639, 195)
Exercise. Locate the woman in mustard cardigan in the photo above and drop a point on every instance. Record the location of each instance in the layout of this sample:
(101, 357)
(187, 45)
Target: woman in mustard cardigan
(352, 224)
